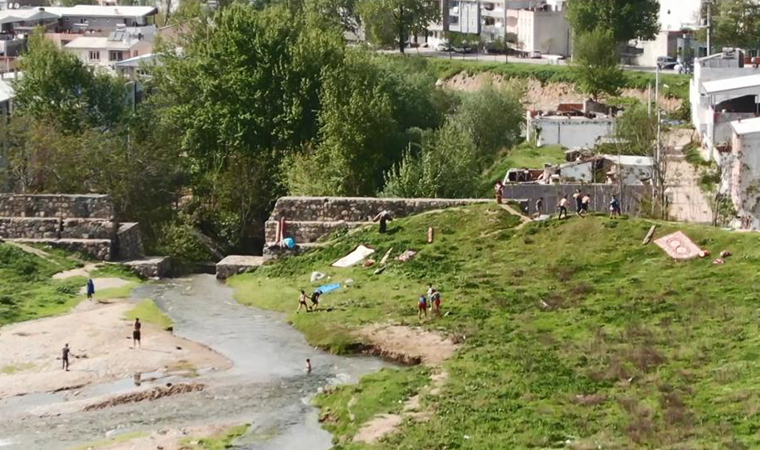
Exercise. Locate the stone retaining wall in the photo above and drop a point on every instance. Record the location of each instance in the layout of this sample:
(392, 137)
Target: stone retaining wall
(356, 209)
(129, 239)
(309, 218)
(88, 229)
(95, 206)
(29, 228)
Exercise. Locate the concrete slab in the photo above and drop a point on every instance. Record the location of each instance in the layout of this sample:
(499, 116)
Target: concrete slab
(153, 267)
(235, 264)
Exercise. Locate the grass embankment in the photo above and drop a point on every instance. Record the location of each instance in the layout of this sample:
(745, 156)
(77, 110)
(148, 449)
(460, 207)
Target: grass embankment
(523, 155)
(26, 289)
(148, 312)
(572, 331)
(672, 85)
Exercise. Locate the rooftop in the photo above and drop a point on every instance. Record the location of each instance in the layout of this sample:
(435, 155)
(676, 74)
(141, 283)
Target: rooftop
(730, 84)
(101, 11)
(746, 126)
(102, 43)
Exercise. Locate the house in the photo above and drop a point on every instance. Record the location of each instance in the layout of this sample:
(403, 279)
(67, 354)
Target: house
(627, 170)
(573, 126)
(81, 18)
(743, 166)
(103, 52)
(722, 89)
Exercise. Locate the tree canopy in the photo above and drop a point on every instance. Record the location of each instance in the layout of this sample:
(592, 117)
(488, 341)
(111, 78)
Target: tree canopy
(390, 23)
(736, 23)
(626, 19)
(596, 63)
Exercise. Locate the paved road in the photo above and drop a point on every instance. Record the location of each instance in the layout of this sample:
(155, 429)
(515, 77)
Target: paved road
(431, 53)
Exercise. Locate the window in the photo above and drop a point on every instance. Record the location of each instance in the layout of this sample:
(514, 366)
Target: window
(453, 20)
(115, 56)
(94, 56)
(489, 21)
(135, 54)
(488, 6)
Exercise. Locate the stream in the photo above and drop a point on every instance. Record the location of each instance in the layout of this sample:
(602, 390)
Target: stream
(267, 387)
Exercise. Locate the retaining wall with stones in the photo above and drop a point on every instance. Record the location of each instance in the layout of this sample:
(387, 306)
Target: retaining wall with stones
(630, 196)
(309, 218)
(87, 206)
(87, 229)
(129, 241)
(29, 228)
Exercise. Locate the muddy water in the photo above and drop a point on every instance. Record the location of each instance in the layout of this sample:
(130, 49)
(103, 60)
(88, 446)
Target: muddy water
(267, 387)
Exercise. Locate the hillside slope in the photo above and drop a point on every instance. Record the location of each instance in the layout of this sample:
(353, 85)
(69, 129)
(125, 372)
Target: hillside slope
(573, 334)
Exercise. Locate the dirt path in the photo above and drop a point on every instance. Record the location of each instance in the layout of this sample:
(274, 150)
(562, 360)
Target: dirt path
(100, 339)
(687, 201)
(34, 251)
(429, 348)
(523, 218)
(79, 272)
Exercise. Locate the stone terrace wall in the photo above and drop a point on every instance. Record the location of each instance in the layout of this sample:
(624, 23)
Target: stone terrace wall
(129, 241)
(90, 206)
(29, 228)
(308, 218)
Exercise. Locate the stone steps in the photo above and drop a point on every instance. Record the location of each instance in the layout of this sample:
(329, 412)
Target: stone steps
(237, 264)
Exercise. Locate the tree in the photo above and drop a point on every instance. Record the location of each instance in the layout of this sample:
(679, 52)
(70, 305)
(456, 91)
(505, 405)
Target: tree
(626, 19)
(391, 22)
(595, 63)
(493, 118)
(56, 85)
(444, 167)
(736, 23)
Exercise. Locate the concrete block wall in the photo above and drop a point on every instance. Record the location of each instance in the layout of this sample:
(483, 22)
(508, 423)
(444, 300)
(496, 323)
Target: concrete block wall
(129, 239)
(601, 194)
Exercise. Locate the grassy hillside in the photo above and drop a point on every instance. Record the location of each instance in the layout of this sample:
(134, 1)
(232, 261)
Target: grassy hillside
(574, 334)
(523, 155)
(26, 290)
(673, 85)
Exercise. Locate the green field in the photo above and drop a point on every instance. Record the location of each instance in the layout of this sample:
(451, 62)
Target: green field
(148, 312)
(575, 335)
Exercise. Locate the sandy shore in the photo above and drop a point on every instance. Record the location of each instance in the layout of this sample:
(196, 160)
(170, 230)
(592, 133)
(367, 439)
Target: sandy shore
(101, 341)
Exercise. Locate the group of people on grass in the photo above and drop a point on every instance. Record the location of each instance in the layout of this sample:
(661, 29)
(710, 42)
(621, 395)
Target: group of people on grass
(314, 301)
(432, 300)
(582, 202)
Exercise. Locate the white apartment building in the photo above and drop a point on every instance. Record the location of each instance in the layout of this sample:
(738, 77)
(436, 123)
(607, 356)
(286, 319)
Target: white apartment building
(104, 52)
(678, 20)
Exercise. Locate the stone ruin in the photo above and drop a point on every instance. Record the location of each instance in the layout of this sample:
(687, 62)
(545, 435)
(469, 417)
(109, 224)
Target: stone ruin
(76, 223)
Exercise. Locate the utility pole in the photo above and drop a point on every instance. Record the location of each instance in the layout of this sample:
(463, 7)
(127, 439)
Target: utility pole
(709, 28)
(657, 160)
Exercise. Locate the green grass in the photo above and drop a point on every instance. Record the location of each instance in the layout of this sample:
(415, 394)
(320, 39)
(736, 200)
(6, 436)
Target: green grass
(148, 312)
(572, 330)
(10, 369)
(27, 290)
(220, 441)
(345, 408)
(114, 271)
(673, 85)
(115, 292)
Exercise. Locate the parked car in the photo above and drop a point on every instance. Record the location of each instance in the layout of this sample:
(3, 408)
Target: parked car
(534, 55)
(666, 62)
(444, 46)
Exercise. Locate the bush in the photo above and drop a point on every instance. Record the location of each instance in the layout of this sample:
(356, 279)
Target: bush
(183, 244)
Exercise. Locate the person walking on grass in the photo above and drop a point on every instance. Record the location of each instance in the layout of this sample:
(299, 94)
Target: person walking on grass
(614, 207)
(315, 299)
(584, 204)
(435, 298)
(578, 196)
(137, 333)
(90, 289)
(422, 307)
(562, 207)
(539, 207)
(302, 302)
(65, 353)
(498, 191)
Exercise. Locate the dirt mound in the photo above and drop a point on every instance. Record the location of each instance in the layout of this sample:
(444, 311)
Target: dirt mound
(153, 394)
(543, 97)
(406, 344)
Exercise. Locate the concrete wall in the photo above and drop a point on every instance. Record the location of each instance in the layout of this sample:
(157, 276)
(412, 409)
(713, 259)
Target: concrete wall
(601, 194)
(745, 177)
(570, 132)
(551, 33)
(56, 205)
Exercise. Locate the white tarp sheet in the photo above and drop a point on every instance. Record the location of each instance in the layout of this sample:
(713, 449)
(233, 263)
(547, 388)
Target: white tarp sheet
(355, 257)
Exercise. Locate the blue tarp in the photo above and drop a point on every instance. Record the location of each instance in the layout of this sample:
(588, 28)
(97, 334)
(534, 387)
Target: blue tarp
(328, 288)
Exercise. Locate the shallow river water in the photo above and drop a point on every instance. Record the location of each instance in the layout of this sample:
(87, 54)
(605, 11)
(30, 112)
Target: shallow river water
(267, 387)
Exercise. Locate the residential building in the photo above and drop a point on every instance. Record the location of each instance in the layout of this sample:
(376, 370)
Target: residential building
(723, 89)
(573, 126)
(744, 172)
(103, 52)
(82, 18)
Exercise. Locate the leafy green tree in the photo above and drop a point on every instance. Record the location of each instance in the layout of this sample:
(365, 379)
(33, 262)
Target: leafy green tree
(444, 167)
(736, 23)
(626, 19)
(493, 118)
(390, 23)
(596, 63)
(58, 86)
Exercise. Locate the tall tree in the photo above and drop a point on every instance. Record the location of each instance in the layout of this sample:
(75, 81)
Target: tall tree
(627, 19)
(596, 63)
(392, 22)
(58, 86)
(736, 23)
